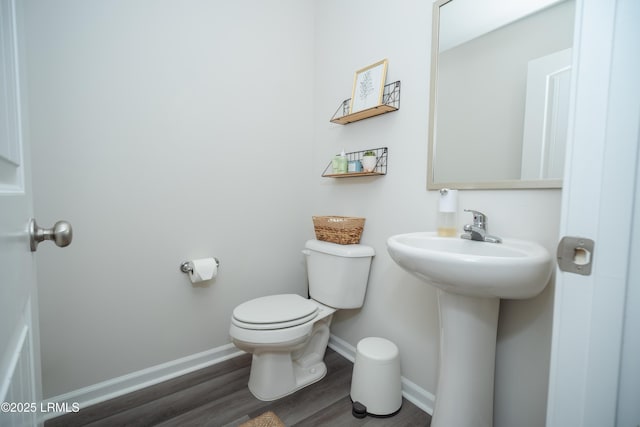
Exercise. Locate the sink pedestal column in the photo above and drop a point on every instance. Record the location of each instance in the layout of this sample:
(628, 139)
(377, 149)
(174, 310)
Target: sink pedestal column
(468, 327)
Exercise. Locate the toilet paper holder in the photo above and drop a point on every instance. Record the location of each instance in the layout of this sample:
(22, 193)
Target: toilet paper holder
(186, 266)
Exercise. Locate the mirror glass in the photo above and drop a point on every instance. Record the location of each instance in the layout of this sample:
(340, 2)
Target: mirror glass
(500, 78)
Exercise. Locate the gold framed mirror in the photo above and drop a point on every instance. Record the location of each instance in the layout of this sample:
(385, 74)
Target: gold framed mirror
(499, 93)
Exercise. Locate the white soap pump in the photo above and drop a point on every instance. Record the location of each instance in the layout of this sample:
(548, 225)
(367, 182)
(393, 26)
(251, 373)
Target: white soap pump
(447, 213)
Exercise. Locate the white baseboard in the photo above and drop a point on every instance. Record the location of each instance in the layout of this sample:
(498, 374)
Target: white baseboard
(410, 390)
(418, 396)
(119, 386)
(342, 347)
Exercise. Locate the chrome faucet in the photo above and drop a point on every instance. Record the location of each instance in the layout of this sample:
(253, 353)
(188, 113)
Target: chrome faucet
(478, 230)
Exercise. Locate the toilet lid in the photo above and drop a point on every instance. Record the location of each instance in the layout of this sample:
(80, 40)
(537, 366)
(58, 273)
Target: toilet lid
(275, 311)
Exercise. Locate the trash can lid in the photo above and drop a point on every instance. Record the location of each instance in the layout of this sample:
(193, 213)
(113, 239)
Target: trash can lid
(376, 348)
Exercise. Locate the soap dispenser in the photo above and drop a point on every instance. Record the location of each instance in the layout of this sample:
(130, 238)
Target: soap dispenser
(340, 163)
(447, 213)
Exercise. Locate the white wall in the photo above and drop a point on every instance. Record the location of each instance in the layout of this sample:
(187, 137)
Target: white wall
(349, 36)
(145, 118)
(164, 131)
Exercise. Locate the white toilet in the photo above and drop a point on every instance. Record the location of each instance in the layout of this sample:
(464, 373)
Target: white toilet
(288, 334)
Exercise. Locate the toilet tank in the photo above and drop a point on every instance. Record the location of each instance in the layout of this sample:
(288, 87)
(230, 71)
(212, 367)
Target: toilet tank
(338, 274)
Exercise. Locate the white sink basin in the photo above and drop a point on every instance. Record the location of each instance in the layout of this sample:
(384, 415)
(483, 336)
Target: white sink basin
(513, 269)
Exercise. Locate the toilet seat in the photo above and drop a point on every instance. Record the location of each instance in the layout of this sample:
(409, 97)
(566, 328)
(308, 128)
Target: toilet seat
(275, 312)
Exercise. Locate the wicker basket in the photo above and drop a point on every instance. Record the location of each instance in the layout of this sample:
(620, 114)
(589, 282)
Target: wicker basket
(338, 229)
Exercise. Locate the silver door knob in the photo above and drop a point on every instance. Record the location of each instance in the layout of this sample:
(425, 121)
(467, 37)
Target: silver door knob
(61, 233)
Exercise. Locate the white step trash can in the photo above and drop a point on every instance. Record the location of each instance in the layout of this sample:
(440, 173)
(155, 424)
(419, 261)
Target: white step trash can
(376, 388)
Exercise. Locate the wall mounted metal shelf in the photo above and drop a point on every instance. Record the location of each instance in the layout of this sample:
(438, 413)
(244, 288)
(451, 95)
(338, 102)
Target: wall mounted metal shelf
(380, 168)
(390, 102)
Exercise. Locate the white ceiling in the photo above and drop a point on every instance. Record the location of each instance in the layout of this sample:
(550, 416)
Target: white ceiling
(464, 20)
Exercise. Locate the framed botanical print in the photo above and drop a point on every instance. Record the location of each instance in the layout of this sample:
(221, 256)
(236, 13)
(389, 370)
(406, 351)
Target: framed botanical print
(368, 86)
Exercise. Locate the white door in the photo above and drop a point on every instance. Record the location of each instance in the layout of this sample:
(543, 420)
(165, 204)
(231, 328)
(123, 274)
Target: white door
(546, 116)
(588, 385)
(19, 340)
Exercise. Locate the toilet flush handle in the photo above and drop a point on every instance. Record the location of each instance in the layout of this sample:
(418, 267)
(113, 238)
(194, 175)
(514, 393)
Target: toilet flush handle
(307, 252)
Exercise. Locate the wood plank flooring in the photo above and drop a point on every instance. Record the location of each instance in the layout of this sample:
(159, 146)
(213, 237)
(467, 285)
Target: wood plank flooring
(218, 396)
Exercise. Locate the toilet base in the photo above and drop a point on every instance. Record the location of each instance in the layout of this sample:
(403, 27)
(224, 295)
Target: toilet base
(276, 373)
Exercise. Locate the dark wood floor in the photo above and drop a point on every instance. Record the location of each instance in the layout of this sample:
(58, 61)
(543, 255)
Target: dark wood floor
(218, 396)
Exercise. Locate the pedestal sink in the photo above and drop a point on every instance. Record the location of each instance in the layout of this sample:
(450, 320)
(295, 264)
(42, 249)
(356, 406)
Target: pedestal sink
(471, 277)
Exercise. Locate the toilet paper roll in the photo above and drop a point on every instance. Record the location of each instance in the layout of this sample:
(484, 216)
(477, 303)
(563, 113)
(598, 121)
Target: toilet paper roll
(448, 200)
(203, 269)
